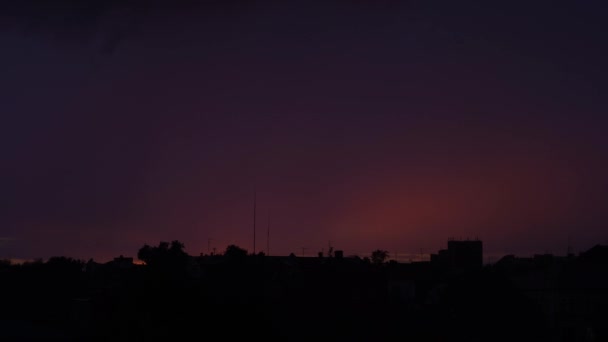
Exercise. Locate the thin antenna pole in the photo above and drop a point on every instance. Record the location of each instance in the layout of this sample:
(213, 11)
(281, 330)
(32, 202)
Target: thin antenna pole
(268, 236)
(254, 210)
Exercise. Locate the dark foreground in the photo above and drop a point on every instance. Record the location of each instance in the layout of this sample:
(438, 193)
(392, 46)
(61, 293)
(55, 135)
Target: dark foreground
(304, 299)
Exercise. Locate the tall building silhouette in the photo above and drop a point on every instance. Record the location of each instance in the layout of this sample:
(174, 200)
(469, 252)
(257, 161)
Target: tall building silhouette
(460, 255)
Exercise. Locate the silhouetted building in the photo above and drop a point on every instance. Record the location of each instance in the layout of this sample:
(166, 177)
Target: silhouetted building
(570, 292)
(461, 255)
(465, 254)
(441, 259)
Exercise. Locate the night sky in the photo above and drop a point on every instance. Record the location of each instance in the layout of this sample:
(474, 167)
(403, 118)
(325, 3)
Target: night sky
(370, 124)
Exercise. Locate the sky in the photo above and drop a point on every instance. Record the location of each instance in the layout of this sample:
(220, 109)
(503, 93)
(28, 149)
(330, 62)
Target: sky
(363, 125)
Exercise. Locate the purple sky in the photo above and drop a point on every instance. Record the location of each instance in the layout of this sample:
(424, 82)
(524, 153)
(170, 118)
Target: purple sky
(370, 124)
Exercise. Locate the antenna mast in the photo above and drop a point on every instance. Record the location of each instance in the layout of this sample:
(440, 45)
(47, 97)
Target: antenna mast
(268, 236)
(254, 210)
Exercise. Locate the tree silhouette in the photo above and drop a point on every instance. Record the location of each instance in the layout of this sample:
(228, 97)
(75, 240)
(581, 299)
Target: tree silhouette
(234, 252)
(379, 256)
(163, 255)
(177, 247)
(61, 264)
